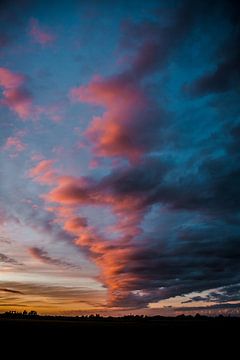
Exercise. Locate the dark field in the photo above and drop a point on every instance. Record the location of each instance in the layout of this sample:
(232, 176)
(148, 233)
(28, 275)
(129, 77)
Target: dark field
(58, 324)
(122, 337)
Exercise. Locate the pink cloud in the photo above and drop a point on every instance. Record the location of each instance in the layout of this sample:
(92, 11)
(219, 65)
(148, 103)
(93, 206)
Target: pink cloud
(75, 224)
(131, 122)
(41, 167)
(39, 35)
(14, 144)
(43, 172)
(18, 100)
(113, 133)
(15, 96)
(9, 79)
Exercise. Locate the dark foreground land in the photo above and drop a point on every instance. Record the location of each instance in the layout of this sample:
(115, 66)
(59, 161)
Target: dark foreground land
(127, 335)
(58, 324)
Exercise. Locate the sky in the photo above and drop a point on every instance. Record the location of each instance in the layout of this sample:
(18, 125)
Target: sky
(120, 157)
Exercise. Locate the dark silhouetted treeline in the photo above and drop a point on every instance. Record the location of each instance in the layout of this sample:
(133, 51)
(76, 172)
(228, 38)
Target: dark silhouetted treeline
(144, 319)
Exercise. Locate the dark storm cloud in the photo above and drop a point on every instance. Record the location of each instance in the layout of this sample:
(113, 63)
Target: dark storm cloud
(213, 188)
(190, 258)
(226, 74)
(234, 145)
(220, 295)
(164, 272)
(140, 179)
(224, 78)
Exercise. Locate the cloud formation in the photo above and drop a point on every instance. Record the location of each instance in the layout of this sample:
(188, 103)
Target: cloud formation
(132, 122)
(140, 178)
(192, 242)
(15, 94)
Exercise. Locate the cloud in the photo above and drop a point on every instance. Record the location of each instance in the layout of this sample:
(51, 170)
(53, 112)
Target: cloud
(39, 34)
(220, 295)
(11, 291)
(154, 41)
(225, 76)
(75, 224)
(15, 96)
(174, 205)
(41, 168)
(62, 296)
(222, 79)
(138, 268)
(43, 172)
(12, 18)
(220, 307)
(8, 260)
(43, 256)
(10, 80)
(132, 121)
(14, 144)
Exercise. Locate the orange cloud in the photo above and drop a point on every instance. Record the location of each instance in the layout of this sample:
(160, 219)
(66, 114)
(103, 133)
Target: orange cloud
(75, 224)
(110, 255)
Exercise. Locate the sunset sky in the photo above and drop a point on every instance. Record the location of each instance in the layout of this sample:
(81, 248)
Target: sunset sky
(120, 156)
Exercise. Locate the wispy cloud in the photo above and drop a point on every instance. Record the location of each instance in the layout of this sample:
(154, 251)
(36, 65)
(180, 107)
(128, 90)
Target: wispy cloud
(11, 291)
(8, 260)
(43, 256)
(39, 34)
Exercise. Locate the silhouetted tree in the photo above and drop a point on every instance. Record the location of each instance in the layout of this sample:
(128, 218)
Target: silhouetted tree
(32, 313)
